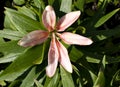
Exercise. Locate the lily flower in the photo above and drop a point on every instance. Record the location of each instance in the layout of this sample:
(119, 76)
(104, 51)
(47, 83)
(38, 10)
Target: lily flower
(57, 52)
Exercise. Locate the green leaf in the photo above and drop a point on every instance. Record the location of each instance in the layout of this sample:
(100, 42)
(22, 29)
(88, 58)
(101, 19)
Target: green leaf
(2, 83)
(19, 2)
(27, 11)
(106, 17)
(10, 51)
(21, 22)
(74, 54)
(39, 3)
(2, 40)
(52, 82)
(80, 4)
(14, 83)
(100, 81)
(66, 6)
(44, 50)
(38, 84)
(105, 34)
(116, 78)
(29, 80)
(51, 2)
(89, 23)
(66, 77)
(10, 34)
(21, 64)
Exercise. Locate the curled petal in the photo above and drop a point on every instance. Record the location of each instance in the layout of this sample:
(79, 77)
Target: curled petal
(71, 38)
(52, 58)
(49, 18)
(67, 20)
(63, 57)
(34, 38)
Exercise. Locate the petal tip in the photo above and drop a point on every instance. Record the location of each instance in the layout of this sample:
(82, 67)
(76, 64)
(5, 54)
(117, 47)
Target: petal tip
(48, 8)
(70, 70)
(21, 43)
(78, 12)
(89, 42)
(49, 74)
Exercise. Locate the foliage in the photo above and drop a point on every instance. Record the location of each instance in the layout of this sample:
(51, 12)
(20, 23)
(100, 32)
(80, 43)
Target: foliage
(96, 65)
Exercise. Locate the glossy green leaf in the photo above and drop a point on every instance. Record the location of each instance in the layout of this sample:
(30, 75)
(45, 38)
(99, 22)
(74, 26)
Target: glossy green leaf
(38, 84)
(52, 82)
(21, 22)
(21, 64)
(105, 34)
(31, 76)
(14, 83)
(106, 17)
(10, 34)
(116, 78)
(19, 2)
(39, 3)
(66, 78)
(10, 51)
(80, 4)
(66, 6)
(2, 40)
(28, 12)
(3, 83)
(100, 81)
(75, 54)
(51, 2)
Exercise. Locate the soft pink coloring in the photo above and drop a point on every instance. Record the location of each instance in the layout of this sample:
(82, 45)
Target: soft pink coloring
(57, 52)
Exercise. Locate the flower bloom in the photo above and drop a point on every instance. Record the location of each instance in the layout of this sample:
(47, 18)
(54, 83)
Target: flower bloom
(57, 52)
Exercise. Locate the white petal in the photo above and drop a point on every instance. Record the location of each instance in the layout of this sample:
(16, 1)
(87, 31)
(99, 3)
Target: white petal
(52, 58)
(49, 18)
(71, 38)
(34, 38)
(63, 57)
(67, 20)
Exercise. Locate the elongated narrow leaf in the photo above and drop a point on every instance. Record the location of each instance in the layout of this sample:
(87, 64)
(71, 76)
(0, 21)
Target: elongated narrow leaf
(66, 6)
(116, 78)
(19, 2)
(29, 80)
(28, 12)
(66, 77)
(10, 34)
(38, 84)
(39, 3)
(52, 82)
(21, 64)
(21, 22)
(10, 51)
(2, 83)
(100, 81)
(106, 17)
(75, 54)
(51, 2)
(80, 4)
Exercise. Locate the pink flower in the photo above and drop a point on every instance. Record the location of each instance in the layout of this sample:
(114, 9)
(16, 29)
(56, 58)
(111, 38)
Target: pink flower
(57, 52)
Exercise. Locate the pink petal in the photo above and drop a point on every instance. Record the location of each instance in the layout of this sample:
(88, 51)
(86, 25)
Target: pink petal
(71, 38)
(49, 18)
(34, 38)
(67, 20)
(64, 58)
(52, 58)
